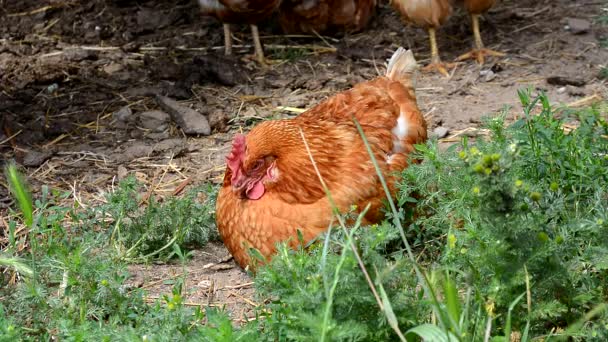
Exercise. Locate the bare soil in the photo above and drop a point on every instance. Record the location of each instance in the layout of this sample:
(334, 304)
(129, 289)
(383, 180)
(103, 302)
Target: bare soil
(75, 78)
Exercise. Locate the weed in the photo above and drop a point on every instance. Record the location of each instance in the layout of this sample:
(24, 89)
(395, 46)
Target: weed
(139, 235)
(529, 199)
(604, 72)
(290, 54)
(74, 286)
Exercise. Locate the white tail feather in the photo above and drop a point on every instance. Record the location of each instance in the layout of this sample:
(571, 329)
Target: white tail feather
(402, 64)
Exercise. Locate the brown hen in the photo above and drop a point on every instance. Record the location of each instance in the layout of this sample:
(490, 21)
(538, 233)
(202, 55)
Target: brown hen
(248, 12)
(325, 16)
(431, 14)
(270, 187)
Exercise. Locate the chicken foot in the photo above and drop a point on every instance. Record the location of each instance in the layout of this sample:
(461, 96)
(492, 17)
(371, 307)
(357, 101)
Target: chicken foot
(436, 63)
(479, 52)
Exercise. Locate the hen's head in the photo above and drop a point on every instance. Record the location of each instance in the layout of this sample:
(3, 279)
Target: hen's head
(252, 167)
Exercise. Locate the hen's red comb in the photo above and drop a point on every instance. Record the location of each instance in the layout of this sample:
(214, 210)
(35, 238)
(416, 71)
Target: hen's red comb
(237, 153)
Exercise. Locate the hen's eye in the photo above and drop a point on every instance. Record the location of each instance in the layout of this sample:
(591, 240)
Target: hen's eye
(258, 164)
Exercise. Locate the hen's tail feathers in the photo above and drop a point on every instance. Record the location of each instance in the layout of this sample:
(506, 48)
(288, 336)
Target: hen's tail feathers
(402, 66)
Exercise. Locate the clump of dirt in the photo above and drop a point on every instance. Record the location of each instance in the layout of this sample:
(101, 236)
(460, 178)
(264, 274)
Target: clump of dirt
(79, 83)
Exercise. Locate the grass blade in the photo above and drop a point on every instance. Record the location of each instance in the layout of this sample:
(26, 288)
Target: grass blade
(388, 311)
(21, 193)
(16, 264)
(430, 332)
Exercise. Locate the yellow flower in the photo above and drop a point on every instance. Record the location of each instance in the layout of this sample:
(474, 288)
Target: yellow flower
(535, 196)
(452, 241)
(554, 186)
(490, 305)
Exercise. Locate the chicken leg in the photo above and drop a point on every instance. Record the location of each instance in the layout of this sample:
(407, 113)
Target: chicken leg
(259, 52)
(227, 40)
(436, 63)
(479, 51)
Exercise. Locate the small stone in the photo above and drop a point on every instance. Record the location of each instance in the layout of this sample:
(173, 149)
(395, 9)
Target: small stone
(575, 91)
(188, 119)
(440, 132)
(561, 90)
(154, 120)
(158, 136)
(78, 55)
(122, 172)
(112, 68)
(36, 158)
(124, 114)
(578, 26)
(488, 75)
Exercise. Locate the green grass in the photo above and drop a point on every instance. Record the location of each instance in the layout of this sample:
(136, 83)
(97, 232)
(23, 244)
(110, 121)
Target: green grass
(73, 283)
(509, 240)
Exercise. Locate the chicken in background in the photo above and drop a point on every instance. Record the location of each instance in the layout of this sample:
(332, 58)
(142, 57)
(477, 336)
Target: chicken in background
(248, 12)
(325, 16)
(431, 14)
(475, 9)
(271, 189)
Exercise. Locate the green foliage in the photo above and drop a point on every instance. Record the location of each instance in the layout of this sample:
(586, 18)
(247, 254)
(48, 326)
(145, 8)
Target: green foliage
(603, 73)
(75, 285)
(532, 197)
(20, 193)
(142, 234)
(290, 54)
(299, 283)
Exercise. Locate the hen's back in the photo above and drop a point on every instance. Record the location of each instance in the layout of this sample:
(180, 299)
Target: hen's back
(325, 16)
(424, 13)
(385, 103)
(388, 113)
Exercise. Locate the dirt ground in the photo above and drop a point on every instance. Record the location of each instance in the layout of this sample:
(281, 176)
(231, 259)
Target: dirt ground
(78, 86)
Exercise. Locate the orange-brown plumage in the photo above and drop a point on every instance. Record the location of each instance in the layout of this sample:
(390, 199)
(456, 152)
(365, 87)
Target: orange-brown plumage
(270, 188)
(477, 6)
(325, 16)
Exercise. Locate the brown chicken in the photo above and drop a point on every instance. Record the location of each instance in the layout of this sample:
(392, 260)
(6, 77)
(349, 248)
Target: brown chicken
(431, 14)
(241, 12)
(270, 187)
(325, 16)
